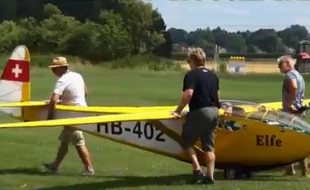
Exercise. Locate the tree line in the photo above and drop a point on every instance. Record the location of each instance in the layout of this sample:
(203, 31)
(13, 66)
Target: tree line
(93, 29)
(111, 29)
(261, 41)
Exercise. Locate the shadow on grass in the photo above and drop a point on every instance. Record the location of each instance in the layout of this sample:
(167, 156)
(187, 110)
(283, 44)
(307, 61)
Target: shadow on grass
(113, 182)
(37, 172)
(28, 171)
(271, 177)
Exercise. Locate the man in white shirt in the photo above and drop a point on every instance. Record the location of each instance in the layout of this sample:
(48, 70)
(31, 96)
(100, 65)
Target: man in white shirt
(70, 89)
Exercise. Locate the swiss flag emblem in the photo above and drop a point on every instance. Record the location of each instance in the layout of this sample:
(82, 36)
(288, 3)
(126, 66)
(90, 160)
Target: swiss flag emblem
(16, 70)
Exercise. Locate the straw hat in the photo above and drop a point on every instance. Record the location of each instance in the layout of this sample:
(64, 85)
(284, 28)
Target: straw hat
(58, 62)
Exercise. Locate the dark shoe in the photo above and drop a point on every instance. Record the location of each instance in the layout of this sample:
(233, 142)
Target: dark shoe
(198, 177)
(50, 168)
(289, 173)
(305, 174)
(208, 181)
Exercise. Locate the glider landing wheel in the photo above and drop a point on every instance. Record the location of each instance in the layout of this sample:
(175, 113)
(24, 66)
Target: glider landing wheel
(237, 173)
(248, 174)
(230, 173)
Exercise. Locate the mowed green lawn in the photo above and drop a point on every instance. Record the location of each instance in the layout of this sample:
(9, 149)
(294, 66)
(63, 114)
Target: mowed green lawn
(22, 151)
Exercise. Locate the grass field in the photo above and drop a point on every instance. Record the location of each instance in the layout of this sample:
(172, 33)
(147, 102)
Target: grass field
(118, 166)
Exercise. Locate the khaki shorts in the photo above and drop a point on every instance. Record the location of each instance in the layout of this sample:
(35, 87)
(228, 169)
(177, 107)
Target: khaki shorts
(70, 134)
(200, 124)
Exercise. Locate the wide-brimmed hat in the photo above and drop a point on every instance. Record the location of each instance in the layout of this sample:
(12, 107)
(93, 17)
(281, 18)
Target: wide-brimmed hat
(58, 62)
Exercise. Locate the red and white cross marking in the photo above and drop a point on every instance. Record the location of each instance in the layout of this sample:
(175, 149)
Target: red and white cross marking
(16, 71)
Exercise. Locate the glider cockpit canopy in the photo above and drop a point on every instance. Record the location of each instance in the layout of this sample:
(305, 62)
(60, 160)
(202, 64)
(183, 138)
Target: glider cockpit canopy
(282, 119)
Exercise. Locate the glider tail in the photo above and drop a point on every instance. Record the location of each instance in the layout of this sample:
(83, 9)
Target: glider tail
(15, 80)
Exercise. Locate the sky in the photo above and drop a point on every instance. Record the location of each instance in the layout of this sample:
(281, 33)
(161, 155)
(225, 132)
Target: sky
(233, 15)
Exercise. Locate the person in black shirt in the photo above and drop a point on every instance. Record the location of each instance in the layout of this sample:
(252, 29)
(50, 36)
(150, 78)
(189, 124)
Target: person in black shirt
(200, 91)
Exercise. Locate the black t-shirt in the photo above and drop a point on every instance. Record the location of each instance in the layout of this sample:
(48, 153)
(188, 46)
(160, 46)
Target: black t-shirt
(205, 85)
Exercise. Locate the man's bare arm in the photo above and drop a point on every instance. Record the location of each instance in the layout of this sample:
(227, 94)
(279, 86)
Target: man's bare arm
(185, 99)
(86, 89)
(51, 106)
(292, 87)
(218, 99)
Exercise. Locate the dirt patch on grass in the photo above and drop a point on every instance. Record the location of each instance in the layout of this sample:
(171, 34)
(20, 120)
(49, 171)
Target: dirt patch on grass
(262, 68)
(250, 66)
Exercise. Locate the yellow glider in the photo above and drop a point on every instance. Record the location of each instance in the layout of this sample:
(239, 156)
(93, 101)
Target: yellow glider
(250, 137)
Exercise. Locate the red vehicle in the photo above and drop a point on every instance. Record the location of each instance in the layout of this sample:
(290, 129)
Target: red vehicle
(303, 57)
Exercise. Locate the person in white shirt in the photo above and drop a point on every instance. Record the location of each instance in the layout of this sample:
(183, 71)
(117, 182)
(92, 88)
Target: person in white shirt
(70, 89)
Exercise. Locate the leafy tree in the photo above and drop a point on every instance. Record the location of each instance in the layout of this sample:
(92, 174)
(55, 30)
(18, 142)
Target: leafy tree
(266, 40)
(115, 41)
(221, 37)
(156, 34)
(12, 35)
(30, 33)
(122, 28)
(165, 48)
(293, 34)
(190, 39)
(50, 10)
(118, 28)
(152, 40)
(55, 28)
(138, 18)
(159, 24)
(236, 44)
(178, 35)
(99, 41)
(83, 41)
(202, 38)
